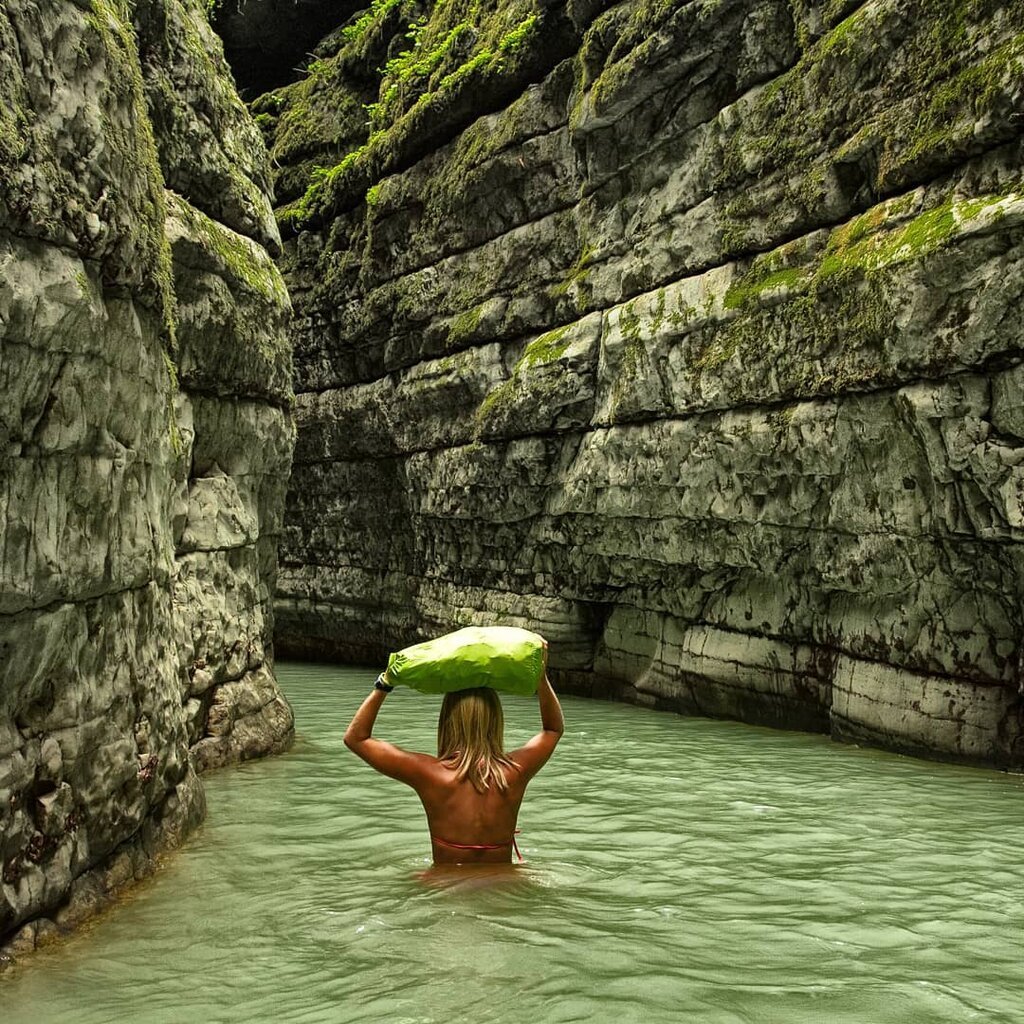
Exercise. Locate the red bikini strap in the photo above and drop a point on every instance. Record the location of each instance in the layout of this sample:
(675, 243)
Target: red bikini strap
(481, 846)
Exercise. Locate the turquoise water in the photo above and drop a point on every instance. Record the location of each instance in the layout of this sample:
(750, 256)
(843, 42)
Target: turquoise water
(678, 870)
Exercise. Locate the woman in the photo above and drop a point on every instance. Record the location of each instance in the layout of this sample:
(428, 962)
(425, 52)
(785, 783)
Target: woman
(472, 790)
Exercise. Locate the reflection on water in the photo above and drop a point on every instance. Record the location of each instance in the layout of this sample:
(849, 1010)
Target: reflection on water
(677, 870)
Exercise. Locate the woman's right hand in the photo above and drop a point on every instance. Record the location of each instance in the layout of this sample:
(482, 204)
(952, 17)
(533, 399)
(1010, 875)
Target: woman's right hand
(535, 753)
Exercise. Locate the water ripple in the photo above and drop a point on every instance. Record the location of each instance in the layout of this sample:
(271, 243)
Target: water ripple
(678, 870)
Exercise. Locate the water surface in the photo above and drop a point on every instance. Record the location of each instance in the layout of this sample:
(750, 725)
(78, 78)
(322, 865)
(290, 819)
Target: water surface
(677, 870)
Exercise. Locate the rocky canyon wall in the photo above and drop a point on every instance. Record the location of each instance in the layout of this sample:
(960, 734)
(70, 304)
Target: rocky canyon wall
(686, 332)
(146, 433)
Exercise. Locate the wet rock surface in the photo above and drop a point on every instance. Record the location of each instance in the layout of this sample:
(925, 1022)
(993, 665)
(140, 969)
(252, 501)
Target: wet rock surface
(145, 440)
(684, 332)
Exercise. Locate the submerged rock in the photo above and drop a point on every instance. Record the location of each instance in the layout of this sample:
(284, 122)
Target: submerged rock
(687, 333)
(146, 436)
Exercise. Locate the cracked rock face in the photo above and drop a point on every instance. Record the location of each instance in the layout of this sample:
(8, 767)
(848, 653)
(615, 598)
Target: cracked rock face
(687, 333)
(145, 440)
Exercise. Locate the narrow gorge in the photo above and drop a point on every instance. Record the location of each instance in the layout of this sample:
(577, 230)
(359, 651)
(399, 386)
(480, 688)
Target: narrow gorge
(688, 333)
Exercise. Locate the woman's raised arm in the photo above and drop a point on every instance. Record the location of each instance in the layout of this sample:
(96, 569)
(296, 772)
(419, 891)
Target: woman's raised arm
(533, 755)
(385, 757)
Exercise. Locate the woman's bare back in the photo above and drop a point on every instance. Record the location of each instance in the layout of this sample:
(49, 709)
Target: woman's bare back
(467, 826)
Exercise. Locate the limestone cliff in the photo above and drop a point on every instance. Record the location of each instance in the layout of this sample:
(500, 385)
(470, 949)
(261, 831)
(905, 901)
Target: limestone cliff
(146, 436)
(688, 332)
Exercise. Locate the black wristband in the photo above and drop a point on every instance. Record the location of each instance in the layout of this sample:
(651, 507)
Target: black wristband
(379, 684)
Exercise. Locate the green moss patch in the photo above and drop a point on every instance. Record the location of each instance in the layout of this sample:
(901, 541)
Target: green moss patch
(545, 349)
(13, 116)
(857, 247)
(756, 285)
(464, 325)
(241, 260)
(883, 236)
(542, 351)
(111, 23)
(369, 19)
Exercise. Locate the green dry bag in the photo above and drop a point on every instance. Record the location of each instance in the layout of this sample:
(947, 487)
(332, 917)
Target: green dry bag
(501, 657)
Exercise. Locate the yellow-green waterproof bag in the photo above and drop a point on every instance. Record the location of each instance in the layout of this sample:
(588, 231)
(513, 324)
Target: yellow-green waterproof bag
(502, 657)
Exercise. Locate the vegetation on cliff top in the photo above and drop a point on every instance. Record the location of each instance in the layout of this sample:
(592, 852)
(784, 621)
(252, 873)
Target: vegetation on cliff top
(441, 65)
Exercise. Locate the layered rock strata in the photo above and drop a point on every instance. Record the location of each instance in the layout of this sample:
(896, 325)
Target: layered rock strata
(146, 436)
(687, 332)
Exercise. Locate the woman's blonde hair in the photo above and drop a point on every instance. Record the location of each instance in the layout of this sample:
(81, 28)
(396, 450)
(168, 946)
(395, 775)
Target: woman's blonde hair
(470, 738)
